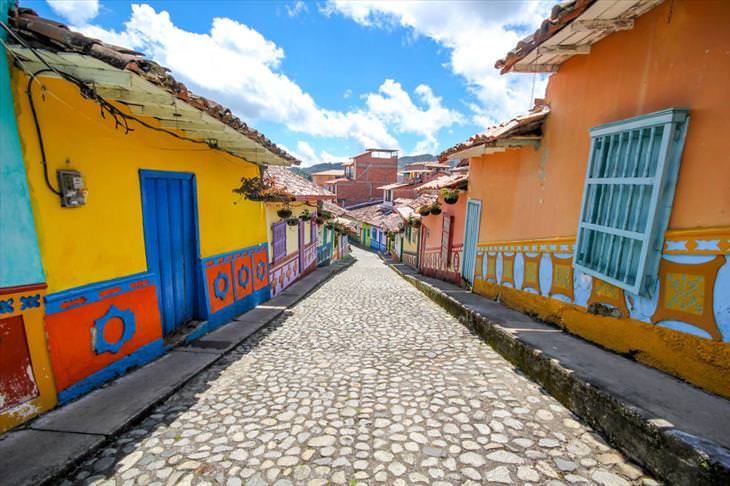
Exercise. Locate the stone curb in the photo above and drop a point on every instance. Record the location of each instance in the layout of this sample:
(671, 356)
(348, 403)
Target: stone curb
(101, 441)
(669, 454)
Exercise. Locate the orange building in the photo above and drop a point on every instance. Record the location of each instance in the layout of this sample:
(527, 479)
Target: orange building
(606, 209)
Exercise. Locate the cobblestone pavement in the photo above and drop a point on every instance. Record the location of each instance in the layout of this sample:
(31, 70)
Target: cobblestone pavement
(366, 381)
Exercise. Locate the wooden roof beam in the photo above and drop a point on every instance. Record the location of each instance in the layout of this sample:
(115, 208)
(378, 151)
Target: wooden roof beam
(611, 25)
(564, 50)
(531, 67)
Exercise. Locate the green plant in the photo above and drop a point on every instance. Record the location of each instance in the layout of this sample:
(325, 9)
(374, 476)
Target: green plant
(436, 209)
(320, 220)
(292, 221)
(261, 189)
(305, 215)
(284, 213)
(450, 195)
(415, 222)
(424, 210)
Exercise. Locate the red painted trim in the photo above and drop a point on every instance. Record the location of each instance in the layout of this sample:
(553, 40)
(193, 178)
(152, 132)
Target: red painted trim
(22, 288)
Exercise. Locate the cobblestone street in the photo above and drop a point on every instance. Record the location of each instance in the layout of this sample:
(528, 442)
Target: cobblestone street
(366, 381)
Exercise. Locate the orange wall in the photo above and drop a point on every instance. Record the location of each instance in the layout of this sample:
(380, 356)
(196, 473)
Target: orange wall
(677, 55)
(435, 223)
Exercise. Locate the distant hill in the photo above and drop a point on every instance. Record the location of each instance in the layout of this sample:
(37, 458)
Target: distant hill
(402, 162)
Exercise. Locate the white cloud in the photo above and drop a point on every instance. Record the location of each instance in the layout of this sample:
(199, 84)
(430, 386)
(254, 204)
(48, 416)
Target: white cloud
(476, 33)
(296, 8)
(393, 104)
(77, 12)
(306, 153)
(237, 66)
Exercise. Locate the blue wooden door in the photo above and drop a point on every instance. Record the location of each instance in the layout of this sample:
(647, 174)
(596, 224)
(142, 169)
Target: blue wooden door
(471, 234)
(170, 229)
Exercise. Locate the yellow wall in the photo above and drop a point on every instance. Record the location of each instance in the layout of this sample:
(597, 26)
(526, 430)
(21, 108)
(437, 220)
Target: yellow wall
(104, 239)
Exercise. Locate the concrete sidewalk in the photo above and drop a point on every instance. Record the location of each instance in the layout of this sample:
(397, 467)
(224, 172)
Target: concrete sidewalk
(678, 432)
(55, 442)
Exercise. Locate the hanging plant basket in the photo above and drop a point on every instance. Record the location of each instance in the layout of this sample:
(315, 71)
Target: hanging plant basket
(292, 221)
(424, 211)
(450, 195)
(305, 215)
(415, 222)
(436, 209)
(320, 220)
(284, 213)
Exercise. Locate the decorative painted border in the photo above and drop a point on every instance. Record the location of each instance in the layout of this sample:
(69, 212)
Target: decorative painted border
(128, 305)
(531, 273)
(233, 282)
(284, 273)
(705, 241)
(98, 291)
(686, 294)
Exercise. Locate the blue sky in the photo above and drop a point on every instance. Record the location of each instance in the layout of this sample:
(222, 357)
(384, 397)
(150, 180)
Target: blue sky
(326, 79)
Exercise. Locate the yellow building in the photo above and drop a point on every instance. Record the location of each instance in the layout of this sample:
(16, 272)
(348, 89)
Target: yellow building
(130, 179)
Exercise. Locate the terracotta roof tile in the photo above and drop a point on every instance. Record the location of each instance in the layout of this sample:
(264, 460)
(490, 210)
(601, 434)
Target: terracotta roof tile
(295, 185)
(42, 33)
(530, 123)
(561, 15)
(451, 180)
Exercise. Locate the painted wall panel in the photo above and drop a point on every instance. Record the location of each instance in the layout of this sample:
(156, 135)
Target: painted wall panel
(104, 239)
(20, 261)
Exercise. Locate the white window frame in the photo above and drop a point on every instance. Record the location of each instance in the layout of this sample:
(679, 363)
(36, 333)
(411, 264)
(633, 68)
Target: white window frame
(605, 262)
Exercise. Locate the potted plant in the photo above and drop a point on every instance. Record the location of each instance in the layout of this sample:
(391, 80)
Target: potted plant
(415, 222)
(320, 220)
(424, 210)
(284, 212)
(436, 209)
(450, 195)
(305, 215)
(292, 221)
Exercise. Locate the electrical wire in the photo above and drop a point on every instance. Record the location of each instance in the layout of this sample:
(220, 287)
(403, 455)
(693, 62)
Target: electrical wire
(29, 94)
(88, 91)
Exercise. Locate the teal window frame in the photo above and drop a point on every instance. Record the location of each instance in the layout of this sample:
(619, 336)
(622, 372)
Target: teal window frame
(629, 188)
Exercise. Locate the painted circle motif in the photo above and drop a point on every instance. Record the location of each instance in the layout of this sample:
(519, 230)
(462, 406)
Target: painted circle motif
(113, 313)
(220, 285)
(261, 270)
(243, 276)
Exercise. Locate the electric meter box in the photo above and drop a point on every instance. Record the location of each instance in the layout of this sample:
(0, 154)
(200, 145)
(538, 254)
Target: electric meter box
(73, 192)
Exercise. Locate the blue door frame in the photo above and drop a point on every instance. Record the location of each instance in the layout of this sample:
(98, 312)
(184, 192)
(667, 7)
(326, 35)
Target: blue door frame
(169, 209)
(471, 234)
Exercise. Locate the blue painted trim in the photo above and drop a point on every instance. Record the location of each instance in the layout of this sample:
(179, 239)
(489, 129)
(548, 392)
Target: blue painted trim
(91, 291)
(141, 356)
(226, 314)
(230, 255)
(101, 345)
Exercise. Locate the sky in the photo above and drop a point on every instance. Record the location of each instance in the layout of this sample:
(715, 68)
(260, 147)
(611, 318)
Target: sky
(325, 79)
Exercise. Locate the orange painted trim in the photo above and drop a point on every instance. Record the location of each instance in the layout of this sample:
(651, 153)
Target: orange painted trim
(562, 282)
(508, 269)
(605, 293)
(531, 272)
(492, 267)
(686, 294)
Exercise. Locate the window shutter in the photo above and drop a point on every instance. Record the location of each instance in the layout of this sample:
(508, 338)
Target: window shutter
(278, 231)
(627, 198)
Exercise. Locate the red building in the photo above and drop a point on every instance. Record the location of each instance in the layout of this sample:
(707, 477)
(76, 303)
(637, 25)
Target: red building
(364, 175)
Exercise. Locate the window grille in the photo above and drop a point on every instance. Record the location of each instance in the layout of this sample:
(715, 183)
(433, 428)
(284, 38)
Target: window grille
(627, 198)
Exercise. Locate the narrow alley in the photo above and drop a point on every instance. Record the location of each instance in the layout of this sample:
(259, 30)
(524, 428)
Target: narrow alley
(366, 381)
